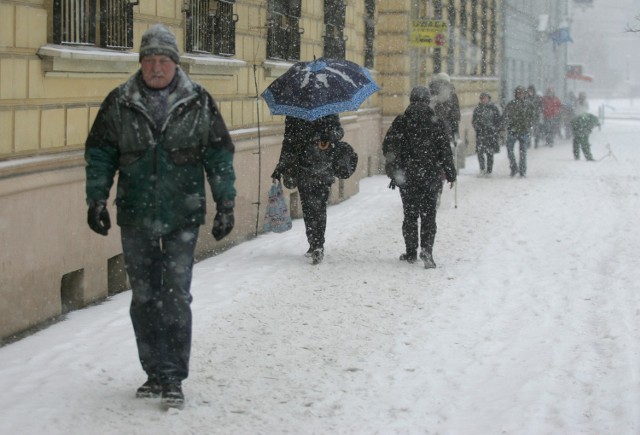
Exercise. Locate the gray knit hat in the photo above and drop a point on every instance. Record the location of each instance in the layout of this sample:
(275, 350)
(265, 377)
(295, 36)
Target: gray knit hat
(159, 40)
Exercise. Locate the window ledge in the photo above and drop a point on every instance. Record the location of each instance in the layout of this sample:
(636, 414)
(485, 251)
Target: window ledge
(73, 59)
(210, 64)
(275, 68)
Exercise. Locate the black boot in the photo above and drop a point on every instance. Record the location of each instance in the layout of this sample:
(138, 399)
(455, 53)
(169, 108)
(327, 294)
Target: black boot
(409, 257)
(149, 389)
(317, 255)
(427, 259)
(172, 396)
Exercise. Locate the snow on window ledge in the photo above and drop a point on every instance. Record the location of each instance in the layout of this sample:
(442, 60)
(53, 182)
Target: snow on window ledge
(210, 64)
(275, 68)
(77, 59)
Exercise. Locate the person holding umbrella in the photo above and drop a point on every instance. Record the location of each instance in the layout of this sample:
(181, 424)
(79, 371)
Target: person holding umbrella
(306, 163)
(311, 95)
(416, 148)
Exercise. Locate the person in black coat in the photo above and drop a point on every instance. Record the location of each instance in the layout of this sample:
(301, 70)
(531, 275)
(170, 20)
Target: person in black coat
(306, 163)
(486, 122)
(416, 149)
(517, 119)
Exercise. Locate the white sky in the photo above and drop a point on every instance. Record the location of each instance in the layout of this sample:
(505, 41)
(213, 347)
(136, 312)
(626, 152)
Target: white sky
(529, 325)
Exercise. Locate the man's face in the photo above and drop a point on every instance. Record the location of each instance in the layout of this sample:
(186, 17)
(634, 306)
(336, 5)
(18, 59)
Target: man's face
(157, 70)
(484, 99)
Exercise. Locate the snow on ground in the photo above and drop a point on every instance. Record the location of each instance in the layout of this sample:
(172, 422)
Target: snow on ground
(529, 325)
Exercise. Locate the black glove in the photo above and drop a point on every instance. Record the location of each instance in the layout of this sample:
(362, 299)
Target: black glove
(276, 175)
(98, 217)
(392, 185)
(222, 223)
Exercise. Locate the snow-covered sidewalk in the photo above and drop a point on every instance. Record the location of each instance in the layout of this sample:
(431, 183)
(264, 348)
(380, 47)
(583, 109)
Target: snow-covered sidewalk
(529, 325)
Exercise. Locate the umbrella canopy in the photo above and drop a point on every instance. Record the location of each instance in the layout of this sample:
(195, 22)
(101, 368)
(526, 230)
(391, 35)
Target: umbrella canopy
(311, 90)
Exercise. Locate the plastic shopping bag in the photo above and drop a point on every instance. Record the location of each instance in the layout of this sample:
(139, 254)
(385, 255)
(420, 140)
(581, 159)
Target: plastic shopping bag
(277, 218)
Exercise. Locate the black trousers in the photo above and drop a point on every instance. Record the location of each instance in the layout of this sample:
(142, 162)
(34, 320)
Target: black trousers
(160, 271)
(484, 152)
(419, 203)
(313, 198)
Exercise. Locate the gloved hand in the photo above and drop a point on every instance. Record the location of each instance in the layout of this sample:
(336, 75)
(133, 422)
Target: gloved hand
(222, 223)
(98, 217)
(276, 175)
(392, 184)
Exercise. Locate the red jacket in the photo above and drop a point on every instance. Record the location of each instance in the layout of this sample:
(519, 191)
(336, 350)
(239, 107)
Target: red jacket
(551, 106)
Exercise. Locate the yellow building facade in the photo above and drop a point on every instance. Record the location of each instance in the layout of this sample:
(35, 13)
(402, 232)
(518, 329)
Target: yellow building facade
(60, 58)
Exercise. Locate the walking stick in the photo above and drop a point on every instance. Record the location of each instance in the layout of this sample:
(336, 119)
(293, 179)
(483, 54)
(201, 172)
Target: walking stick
(455, 166)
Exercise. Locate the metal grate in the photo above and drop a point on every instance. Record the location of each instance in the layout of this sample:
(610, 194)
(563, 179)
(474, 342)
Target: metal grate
(283, 34)
(224, 27)
(116, 24)
(74, 22)
(199, 27)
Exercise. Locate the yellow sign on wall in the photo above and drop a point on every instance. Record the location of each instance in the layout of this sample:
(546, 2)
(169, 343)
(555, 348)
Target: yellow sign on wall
(429, 33)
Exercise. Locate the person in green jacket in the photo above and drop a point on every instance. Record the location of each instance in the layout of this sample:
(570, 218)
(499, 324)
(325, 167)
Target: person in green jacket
(582, 126)
(162, 134)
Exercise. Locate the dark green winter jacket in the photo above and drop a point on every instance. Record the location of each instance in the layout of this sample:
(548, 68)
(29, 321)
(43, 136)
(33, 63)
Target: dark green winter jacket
(518, 116)
(160, 170)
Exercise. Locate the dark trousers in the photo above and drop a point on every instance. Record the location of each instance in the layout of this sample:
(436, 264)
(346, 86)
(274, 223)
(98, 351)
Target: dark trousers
(419, 203)
(551, 129)
(484, 153)
(582, 141)
(523, 139)
(160, 270)
(313, 198)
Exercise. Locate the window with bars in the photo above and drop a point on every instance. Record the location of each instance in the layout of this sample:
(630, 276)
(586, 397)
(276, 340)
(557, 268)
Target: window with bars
(483, 38)
(369, 32)
(211, 27)
(283, 34)
(451, 44)
(334, 39)
(74, 22)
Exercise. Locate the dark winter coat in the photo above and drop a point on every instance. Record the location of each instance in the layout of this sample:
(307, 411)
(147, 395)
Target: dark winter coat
(536, 104)
(486, 121)
(302, 157)
(161, 170)
(518, 116)
(417, 149)
(444, 102)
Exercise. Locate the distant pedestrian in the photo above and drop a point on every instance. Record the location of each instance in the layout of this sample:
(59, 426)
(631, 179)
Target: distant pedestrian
(582, 125)
(551, 113)
(517, 119)
(486, 122)
(536, 103)
(306, 163)
(568, 112)
(417, 149)
(162, 134)
(581, 105)
(444, 101)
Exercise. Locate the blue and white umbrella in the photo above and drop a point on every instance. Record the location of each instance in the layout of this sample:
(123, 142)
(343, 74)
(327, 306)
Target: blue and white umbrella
(311, 90)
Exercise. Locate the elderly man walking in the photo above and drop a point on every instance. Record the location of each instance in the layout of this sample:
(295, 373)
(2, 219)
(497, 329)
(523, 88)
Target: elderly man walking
(162, 133)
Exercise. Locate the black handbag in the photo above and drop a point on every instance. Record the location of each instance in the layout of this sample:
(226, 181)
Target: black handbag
(344, 160)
